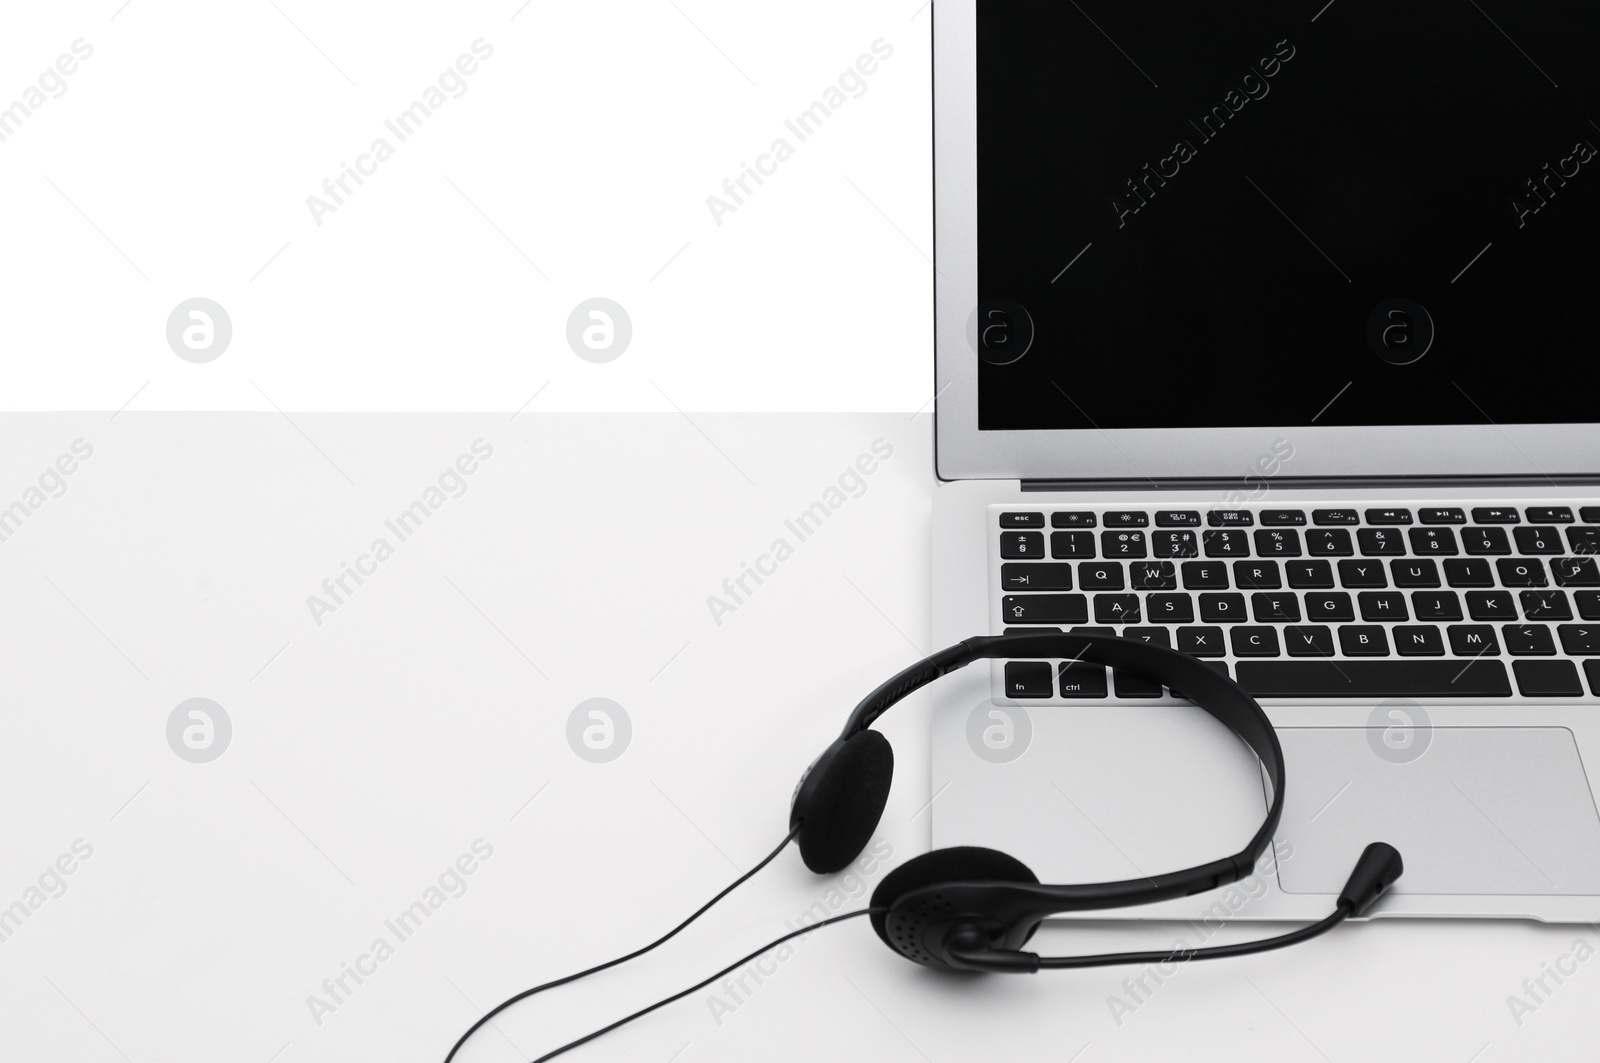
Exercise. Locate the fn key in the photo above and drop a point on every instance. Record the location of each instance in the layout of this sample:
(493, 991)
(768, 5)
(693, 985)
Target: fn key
(1029, 679)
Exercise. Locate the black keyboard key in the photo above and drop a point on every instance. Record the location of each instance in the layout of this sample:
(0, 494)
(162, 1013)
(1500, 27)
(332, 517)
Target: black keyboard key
(1030, 630)
(1205, 576)
(1329, 542)
(1538, 540)
(1169, 609)
(1100, 576)
(1133, 685)
(1257, 575)
(1022, 520)
(1152, 576)
(1363, 640)
(1325, 517)
(1177, 518)
(1117, 609)
(1528, 640)
(1549, 514)
(1417, 572)
(1175, 544)
(1044, 609)
(1072, 520)
(1545, 605)
(1374, 679)
(1080, 679)
(1592, 670)
(1065, 544)
(1588, 604)
(1278, 542)
(1283, 518)
(1330, 608)
(1584, 540)
(1216, 666)
(1222, 608)
(1580, 640)
(1435, 605)
(1382, 606)
(1310, 575)
(1036, 577)
(1381, 542)
(1282, 608)
(1022, 545)
(1589, 514)
(1433, 542)
(1388, 516)
(1230, 518)
(1496, 515)
(1255, 642)
(1548, 679)
(1124, 544)
(1441, 516)
(1359, 574)
(1491, 605)
(1226, 543)
(1028, 679)
(1109, 632)
(1127, 518)
(1418, 640)
(1468, 572)
(1483, 542)
(1201, 641)
(1312, 640)
(1521, 572)
(1156, 636)
(1474, 640)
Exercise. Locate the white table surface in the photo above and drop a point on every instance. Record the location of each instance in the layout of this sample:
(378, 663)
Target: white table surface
(428, 711)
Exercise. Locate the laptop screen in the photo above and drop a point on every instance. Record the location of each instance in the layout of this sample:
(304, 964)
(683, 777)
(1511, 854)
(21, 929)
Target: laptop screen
(1258, 213)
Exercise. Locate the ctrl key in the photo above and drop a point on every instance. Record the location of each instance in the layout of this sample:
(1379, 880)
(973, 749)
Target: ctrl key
(1080, 679)
(1028, 679)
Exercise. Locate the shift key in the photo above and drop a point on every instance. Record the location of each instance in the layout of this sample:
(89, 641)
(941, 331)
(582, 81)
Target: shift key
(1045, 609)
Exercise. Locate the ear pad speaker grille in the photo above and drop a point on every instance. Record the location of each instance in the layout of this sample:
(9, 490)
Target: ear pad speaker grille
(963, 863)
(841, 799)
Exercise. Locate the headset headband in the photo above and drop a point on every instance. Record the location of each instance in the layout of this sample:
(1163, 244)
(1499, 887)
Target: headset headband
(1198, 682)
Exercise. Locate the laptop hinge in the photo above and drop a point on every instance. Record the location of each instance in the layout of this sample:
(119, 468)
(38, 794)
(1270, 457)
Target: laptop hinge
(1255, 486)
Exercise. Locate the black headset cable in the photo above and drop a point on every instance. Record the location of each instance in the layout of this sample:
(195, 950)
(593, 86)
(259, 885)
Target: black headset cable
(734, 966)
(525, 994)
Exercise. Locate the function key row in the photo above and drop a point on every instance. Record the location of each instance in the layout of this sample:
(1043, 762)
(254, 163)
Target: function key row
(1238, 518)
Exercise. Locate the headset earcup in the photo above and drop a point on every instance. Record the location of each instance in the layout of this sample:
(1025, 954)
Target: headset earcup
(961, 863)
(840, 799)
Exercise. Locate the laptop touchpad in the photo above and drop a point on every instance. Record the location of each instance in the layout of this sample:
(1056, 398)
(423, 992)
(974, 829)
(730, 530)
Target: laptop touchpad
(1473, 810)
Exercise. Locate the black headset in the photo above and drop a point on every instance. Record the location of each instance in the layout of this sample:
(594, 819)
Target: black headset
(972, 909)
(969, 908)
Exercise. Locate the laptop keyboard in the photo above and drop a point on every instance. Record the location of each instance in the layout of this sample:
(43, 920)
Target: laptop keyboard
(1462, 602)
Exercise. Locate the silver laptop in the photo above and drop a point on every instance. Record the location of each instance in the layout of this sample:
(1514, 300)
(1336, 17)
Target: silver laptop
(1267, 333)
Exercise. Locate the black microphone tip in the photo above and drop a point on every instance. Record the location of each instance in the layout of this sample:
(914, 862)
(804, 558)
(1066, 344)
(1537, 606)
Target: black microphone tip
(1380, 865)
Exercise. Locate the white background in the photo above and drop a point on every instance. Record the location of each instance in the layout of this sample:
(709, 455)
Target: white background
(590, 143)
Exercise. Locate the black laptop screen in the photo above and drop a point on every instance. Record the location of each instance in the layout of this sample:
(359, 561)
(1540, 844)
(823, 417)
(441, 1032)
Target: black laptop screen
(1260, 213)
